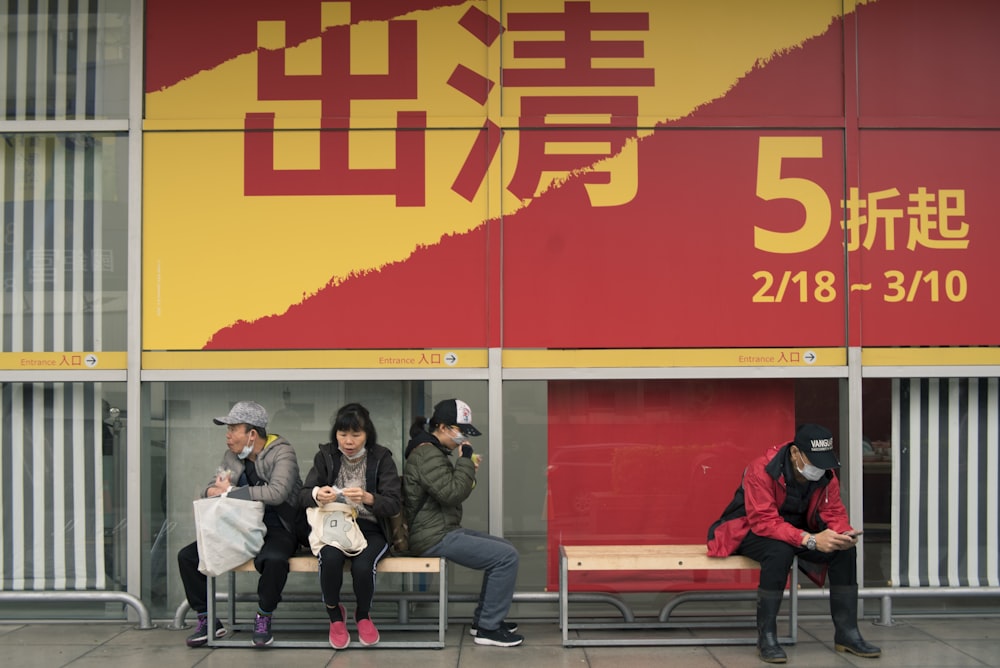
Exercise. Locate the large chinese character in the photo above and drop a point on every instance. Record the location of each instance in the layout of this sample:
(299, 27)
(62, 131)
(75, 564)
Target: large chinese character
(876, 213)
(578, 48)
(336, 87)
(565, 145)
(570, 139)
(929, 224)
(477, 87)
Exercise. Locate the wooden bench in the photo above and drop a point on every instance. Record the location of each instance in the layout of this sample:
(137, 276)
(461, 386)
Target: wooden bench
(309, 564)
(653, 558)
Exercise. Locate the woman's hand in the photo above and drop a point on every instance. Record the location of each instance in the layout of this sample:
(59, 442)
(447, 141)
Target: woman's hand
(325, 494)
(358, 496)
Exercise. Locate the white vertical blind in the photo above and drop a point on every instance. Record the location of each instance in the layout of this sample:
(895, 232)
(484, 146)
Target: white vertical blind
(945, 482)
(51, 469)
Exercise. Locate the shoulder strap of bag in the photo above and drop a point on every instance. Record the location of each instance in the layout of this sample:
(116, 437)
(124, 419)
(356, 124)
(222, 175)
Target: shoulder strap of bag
(329, 467)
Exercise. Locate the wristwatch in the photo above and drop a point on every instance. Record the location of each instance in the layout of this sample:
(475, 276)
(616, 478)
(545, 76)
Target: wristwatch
(811, 542)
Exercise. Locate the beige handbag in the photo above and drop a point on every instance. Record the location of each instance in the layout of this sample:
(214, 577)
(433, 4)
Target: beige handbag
(335, 524)
(230, 532)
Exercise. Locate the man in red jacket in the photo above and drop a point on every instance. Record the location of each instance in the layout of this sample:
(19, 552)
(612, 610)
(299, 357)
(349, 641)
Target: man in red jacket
(789, 505)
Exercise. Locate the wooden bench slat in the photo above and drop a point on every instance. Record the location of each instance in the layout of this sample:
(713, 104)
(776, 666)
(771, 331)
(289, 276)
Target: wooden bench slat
(310, 564)
(650, 558)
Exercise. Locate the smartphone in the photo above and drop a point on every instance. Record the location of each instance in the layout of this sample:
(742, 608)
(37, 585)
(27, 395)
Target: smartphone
(854, 534)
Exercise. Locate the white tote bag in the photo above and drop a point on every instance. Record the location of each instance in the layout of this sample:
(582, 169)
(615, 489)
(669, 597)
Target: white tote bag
(335, 524)
(230, 532)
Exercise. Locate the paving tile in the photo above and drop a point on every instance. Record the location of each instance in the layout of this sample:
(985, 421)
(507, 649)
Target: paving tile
(640, 657)
(49, 656)
(81, 633)
(910, 643)
(915, 654)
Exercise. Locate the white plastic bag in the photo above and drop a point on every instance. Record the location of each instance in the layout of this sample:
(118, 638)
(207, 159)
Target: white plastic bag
(230, 532)
(335, 524)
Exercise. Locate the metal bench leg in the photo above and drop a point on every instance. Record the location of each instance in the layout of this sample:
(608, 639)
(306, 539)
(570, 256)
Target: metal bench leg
(564, 596)
(442, 600)
(793, 599)
(211, 611)
(231, 599)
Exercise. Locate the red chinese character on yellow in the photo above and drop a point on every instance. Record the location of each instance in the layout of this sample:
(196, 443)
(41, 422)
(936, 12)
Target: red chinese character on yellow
(336, 87)
(576, 131)
(570, 133)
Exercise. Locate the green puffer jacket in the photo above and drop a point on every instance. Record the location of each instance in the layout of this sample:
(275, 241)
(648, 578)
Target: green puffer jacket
(433, 491)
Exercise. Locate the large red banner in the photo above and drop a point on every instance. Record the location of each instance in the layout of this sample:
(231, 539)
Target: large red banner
(571, 174)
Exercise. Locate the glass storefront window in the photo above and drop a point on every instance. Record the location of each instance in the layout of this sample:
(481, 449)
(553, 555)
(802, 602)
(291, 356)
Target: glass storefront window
(65, 242)
(877, 479)
(66, 61)
(638, 461)
(935, 441)
(930, 473)
(62, 454)
(182, 448)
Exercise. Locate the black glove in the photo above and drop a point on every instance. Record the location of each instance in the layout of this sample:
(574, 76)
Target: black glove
(467, 451)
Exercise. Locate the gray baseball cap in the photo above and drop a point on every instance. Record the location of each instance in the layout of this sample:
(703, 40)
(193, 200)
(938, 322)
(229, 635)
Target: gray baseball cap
(245, 412)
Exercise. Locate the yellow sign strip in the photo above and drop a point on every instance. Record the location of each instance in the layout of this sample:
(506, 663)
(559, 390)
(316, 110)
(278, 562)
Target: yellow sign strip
(318, 359)
(512, 359)
(929, 356)
(66, 361)
(675, 357)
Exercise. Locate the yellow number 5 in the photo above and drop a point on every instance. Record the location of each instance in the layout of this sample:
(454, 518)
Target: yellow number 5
(771, 185)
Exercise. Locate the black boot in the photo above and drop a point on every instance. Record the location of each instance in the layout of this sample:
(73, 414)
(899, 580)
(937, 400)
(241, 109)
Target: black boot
(768, 649)
(844, 610)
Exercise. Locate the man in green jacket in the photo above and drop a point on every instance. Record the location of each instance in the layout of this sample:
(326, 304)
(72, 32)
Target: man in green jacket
(434, 490)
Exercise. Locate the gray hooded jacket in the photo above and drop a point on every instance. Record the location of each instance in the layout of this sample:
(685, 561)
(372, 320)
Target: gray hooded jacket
(278, 467)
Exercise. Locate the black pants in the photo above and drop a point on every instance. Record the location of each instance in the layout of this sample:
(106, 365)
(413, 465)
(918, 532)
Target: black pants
(271, 563)
(776, 556)
(331, 569)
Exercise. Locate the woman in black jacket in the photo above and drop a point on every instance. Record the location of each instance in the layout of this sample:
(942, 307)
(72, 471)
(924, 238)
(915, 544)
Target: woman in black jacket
(355, 469)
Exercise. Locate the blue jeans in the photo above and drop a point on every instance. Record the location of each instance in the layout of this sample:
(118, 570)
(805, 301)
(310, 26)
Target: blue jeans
(495, 556)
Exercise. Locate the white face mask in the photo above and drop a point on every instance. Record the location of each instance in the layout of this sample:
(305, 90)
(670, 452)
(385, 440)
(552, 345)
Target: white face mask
(357, 455)
(810, 472)
(460, 439)
(246, 450)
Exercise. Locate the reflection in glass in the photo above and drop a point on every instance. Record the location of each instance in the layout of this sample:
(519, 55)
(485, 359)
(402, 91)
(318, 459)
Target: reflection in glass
(63, 459)
(64, 265)
(66, 60)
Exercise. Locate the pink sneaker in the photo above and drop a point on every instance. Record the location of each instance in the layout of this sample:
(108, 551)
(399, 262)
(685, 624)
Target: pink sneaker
(367, 633)
(339, 637)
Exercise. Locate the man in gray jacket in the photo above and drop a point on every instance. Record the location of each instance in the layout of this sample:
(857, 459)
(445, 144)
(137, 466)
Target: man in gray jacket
(256, 466)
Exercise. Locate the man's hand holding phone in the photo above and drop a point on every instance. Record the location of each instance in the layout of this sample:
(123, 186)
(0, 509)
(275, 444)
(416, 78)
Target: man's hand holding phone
(853, 534)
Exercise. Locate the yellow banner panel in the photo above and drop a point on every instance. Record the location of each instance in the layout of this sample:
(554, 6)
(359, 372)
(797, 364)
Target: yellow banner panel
(680, 357)
(318, 359)
(929, 356)
(64, 361)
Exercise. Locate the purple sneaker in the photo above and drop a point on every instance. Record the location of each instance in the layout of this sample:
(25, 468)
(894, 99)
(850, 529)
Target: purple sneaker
(262, 631)
(200, 635)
